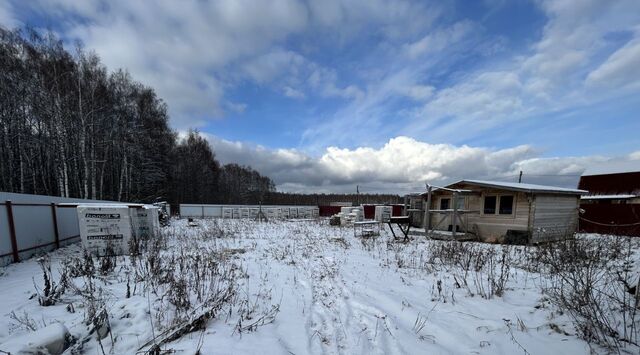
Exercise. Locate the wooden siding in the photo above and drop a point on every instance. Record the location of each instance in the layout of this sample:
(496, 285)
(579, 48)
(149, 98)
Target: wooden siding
(488, 227)
(555, 217)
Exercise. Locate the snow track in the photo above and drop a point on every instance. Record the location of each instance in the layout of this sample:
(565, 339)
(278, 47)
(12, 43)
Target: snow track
(337, 294)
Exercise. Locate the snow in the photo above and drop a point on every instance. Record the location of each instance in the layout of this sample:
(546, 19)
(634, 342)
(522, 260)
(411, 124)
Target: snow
(50, 340)
(607, 197)
(337, 294)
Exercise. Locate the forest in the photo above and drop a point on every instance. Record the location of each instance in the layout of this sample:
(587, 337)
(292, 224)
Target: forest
(72, 128)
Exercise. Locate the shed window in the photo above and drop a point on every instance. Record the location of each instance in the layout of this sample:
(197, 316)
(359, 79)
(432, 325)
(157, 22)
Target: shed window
(506, 204)
(490, 205)
(444, 203)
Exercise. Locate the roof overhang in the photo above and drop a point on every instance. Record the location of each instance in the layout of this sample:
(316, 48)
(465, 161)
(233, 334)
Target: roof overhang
(528, 188)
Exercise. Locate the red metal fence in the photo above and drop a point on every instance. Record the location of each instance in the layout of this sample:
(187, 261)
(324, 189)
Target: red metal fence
(623, 219)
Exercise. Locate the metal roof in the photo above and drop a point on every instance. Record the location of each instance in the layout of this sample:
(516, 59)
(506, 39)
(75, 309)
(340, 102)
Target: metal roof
(611, 184)
(516, 186)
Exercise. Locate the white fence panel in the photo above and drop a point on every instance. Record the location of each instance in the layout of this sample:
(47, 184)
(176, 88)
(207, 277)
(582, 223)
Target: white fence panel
(35, 230)
(5, 236)
(247, 211)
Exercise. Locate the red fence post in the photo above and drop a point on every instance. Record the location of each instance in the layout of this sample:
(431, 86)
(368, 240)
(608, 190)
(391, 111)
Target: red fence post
(56, 233)
(12, 232)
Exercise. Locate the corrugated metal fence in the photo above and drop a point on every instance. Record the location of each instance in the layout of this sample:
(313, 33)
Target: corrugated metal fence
(615, 219)
(30, 224)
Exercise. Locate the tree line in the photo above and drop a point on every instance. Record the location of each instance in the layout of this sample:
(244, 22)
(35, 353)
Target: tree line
(282, 198)
(71, 128)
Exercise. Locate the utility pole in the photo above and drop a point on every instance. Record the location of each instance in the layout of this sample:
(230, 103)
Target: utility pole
(520, 177)
(358, 195)
(426, 223)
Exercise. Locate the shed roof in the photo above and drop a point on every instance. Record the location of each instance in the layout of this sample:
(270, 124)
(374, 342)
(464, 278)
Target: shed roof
(516, 186)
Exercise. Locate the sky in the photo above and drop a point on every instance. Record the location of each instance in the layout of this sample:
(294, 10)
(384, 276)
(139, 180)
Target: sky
(324, 96)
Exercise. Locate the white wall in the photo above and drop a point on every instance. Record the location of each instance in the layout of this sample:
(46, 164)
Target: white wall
(34, 224)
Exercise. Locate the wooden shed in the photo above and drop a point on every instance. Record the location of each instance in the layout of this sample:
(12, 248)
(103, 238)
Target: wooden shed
(495, 211)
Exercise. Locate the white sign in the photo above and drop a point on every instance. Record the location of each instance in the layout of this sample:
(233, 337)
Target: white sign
(105, 228)
(145, 221)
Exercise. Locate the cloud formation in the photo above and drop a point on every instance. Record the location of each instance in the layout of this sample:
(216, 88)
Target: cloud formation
(194, 52)
(403, 164)
(346, 82)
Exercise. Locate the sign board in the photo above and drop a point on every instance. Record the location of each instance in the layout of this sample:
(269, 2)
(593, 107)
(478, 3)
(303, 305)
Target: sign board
(145, 221)
(105, 228)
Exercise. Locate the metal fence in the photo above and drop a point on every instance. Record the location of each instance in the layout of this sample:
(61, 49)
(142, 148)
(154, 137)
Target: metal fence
(31, 224)
(246, 211)
(615, 219)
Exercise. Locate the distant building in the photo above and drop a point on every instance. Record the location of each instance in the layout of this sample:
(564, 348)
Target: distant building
(615, 188)
(612, 205)
(496, 211)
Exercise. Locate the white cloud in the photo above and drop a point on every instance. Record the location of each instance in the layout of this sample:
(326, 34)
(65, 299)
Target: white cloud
(548, 79)
(192, 52)
(341, 20)
(293, 93)
(436, 41)
(419, 92)
(7, 20)
(181, 49)
(401, 165)
(489, 95)
(269, 66)
(621, 69)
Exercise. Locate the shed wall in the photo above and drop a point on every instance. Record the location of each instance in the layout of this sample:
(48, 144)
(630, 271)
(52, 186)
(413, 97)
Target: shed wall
(555, 217)
(488, 227)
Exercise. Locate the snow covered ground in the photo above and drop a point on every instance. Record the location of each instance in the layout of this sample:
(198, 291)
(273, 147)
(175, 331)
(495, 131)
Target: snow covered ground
(298, 288)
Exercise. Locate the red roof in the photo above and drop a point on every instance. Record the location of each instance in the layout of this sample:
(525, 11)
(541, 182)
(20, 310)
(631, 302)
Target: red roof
(611, 184)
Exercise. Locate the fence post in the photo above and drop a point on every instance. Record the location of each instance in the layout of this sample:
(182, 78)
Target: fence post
(12, 232)
(56, 233)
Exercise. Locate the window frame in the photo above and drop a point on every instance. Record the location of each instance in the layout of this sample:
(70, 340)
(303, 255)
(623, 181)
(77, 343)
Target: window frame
(496, 212)
(499, 209)
(484, 200)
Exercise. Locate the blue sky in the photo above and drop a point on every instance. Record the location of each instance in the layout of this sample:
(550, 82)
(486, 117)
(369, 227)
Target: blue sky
(324, 95)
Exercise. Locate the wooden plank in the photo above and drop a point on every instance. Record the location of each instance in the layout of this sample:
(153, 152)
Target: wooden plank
(427, 210)
(454, 218)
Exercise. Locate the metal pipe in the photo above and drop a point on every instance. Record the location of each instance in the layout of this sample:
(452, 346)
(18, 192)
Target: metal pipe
(12, 232)
(56, 233)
